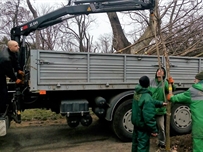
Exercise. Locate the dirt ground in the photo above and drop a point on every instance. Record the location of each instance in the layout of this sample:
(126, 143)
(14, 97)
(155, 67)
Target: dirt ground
(183, 142)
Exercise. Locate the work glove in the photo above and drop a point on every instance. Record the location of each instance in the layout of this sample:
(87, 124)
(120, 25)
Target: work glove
(170, 80)
(18, 81)
(168, 97)
(21, 72)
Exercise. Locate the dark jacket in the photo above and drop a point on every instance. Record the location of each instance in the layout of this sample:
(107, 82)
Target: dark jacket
(143, 110)
(9, 64)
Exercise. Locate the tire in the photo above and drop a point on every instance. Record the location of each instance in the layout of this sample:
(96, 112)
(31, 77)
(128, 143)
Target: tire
(73, 121)
(181, 119)
(121, 124)
(181, 122)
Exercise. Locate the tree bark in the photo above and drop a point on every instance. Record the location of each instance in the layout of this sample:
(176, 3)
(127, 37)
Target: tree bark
(119, 39)
(148, 34)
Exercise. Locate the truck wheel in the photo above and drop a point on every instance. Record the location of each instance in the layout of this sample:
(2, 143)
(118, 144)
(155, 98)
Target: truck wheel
(72, 121)
(122, 125)
(180, 119)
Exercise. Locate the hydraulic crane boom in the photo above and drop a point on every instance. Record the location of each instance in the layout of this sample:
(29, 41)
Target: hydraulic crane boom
(78, 8)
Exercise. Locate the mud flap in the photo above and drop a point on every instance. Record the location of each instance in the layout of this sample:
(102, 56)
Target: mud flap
(3, 128)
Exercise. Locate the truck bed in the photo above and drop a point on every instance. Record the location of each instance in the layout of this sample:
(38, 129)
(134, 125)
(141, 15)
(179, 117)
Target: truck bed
(54, 70)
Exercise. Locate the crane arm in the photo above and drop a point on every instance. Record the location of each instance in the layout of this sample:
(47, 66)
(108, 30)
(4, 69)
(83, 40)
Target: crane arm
(79, 7)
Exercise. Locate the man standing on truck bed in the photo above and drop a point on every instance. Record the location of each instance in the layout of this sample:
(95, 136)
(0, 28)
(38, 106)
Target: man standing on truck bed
(8, 66)
(156, 87)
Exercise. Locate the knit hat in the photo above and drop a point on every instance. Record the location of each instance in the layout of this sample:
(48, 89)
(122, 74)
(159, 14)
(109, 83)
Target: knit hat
(144, 81)
(199, 76)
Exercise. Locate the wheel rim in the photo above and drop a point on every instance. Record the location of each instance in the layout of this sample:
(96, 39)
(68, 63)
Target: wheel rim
(127, 124)
(182, 117)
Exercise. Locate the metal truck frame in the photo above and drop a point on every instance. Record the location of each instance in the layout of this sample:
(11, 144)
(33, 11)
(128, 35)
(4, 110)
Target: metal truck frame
(73, 84)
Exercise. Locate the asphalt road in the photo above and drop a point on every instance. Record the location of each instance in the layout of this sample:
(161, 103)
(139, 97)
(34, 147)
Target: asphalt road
(61, 138)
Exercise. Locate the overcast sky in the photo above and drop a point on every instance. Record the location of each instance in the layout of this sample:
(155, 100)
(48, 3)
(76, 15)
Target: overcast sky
(102, 25)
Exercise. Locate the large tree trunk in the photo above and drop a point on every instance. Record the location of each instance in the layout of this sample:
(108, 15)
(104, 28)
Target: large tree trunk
(119, 39)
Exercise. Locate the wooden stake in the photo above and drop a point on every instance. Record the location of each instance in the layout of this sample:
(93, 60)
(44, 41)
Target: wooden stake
(168, 116)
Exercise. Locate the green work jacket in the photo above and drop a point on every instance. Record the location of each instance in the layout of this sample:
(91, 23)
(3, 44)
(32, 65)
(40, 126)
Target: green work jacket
(158, 93)
(143, 110)
(194, 98)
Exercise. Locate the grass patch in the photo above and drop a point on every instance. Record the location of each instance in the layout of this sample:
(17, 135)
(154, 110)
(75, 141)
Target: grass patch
(39, 114)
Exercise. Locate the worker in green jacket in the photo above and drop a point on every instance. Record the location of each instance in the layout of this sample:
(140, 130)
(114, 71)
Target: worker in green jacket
(194, 98)
(143, 116)
(158, 93)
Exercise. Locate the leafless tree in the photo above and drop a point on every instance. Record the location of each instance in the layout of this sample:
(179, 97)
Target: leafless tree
(143, 25)
(103, 44)
(3, 42)
(47, 38)
(12, 14)
(180, 23)
(77, 31)
(183, 33)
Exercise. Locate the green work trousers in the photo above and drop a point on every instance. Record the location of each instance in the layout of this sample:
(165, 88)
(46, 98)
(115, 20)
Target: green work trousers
(140, 141)
(197, 145)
